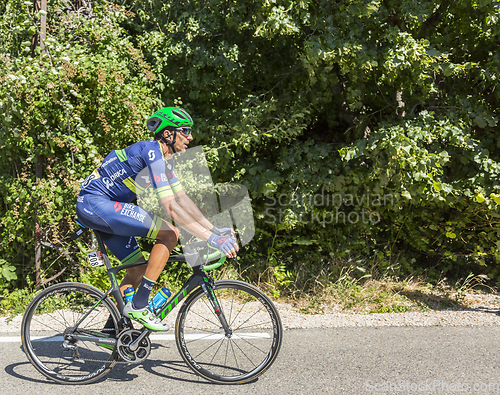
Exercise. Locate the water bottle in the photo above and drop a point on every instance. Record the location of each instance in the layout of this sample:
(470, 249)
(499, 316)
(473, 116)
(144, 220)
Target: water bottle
(129, 294)
(159, 300)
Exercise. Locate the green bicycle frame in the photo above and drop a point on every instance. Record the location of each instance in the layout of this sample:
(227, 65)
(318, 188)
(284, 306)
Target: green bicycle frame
(198, 278)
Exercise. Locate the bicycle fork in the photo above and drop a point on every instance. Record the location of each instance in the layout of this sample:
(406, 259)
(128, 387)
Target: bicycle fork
(209, 292)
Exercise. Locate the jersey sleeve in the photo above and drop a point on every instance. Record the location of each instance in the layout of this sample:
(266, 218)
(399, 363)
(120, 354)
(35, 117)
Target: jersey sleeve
(162, 173)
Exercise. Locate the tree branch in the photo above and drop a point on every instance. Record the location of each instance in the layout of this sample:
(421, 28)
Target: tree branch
(434, 19)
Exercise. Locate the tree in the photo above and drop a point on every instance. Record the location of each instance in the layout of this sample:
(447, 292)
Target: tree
(368, 133)
(87, 94)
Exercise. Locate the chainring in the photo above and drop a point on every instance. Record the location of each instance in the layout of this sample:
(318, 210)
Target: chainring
(125, 338)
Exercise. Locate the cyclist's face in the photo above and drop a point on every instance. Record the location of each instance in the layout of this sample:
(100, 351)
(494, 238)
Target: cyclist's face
(182, 140)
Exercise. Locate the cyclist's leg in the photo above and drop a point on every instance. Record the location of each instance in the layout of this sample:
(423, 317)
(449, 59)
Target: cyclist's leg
(166, 240)
(125, 219)
(126, 249)
(120, 221)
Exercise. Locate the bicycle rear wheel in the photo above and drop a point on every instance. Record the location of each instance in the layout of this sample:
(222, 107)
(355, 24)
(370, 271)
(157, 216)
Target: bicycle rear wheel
(53, 316)
(253, 345)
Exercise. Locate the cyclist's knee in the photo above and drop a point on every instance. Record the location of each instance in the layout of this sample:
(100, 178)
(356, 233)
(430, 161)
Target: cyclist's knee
(169, 238)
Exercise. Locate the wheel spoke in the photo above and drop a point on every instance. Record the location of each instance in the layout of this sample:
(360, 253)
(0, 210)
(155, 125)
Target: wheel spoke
(209, 337)
(231, 311)
(44, 324)
(221, 343)
(206, 319)
(253, 325)
(201, 329)
(253, 345)
(57, 313)
(208, 348)
(248, 319)
(225, 358)
(234, 354)
(239, 348)
(55, 319)
(255, 341)
(64, 319)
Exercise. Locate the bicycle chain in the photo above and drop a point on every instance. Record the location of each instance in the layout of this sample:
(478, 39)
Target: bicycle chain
(102, 360)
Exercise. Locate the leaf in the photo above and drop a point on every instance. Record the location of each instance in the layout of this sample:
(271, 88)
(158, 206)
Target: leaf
(448, 70)
(495, 197)
(407, 149)
(480, 121)
(305, 242)
(433, 52)
(7, 271)
(480, 198)
(406, 194)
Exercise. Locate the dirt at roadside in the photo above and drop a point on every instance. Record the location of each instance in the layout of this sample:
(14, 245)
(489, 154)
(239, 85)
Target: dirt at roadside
(481, 310)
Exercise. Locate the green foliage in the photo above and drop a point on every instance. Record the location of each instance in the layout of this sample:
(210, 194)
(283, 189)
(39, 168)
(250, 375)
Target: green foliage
(437, 176)
(65, 108)
(7, 272)
(14, 302)
(361, 128)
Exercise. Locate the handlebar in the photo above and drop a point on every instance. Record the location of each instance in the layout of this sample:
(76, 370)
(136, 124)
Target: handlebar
(208, 257)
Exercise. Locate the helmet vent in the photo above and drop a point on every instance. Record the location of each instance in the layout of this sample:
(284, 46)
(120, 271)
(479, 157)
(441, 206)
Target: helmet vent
(153, 123)
(179, 114)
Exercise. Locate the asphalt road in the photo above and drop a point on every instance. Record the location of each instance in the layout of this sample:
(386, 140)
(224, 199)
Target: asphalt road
(388, 360)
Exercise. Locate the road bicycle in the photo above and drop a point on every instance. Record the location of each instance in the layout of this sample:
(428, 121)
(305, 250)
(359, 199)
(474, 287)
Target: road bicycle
(227, 331)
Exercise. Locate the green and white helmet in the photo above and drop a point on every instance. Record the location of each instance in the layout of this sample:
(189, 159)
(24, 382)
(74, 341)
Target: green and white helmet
(169, 118)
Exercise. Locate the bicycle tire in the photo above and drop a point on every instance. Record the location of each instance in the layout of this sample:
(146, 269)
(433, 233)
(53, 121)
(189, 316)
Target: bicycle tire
(50, 316)
(256, 337)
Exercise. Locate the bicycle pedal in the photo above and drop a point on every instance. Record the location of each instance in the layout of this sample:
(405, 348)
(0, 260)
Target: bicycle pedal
(126, 323)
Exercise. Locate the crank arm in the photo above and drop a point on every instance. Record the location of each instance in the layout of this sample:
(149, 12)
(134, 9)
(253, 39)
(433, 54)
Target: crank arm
(135, 344)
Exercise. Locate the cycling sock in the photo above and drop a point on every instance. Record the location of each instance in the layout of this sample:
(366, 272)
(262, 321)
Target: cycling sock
(141, 298)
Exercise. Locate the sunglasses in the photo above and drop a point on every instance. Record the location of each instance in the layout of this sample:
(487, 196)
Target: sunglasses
(186, 131)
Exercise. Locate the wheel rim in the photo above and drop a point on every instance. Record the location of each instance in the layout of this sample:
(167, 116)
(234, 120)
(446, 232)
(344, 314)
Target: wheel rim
(253, 345)
(49, 321)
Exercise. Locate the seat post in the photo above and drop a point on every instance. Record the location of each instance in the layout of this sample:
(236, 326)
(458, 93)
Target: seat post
(102, 248)
(115, 287)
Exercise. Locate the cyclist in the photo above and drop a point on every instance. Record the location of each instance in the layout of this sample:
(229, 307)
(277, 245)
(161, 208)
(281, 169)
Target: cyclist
(104, 204)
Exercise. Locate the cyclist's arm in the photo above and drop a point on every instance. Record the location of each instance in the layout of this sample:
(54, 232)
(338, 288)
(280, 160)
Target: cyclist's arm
(188, 205)
(167, 186)
(183, 218)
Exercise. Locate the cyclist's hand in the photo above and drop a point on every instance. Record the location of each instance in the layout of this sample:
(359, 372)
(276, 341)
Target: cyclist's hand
(226, 245)
(223, 232)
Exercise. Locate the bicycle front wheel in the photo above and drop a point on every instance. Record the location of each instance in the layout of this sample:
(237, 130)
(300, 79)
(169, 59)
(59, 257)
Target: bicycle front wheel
(54, 328)
(251, 348)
